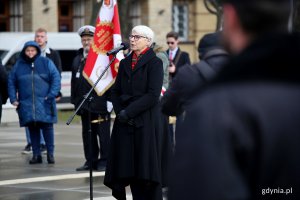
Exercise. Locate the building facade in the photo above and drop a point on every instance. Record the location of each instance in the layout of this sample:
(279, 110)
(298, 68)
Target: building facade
(189, 18)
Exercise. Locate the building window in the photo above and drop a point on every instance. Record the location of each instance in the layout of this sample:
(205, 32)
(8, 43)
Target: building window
(135, 13)
(65, 16)
(180, 20)
(78, 18)
(70, 15)
(16, 15)
(4, 16)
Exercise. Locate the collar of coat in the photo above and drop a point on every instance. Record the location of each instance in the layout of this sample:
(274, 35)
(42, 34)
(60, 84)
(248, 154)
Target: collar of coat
(149, 55)
(273, 58)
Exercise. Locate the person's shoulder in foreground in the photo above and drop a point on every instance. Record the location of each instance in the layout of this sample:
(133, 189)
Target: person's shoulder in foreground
(241, 135)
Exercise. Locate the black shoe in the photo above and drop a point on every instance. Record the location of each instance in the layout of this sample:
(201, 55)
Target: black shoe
(50, 159)
(35, 160)
(83, 168)
(27, 149)
(100, 167)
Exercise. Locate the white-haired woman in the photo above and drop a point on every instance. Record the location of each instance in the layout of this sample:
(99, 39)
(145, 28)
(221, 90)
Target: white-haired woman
(135, 147)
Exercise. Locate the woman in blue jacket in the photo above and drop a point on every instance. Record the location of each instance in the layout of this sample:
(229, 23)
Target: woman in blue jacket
(33, 84)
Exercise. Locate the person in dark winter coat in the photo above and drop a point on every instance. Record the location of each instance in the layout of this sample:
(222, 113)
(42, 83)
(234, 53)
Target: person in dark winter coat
(96, 108)
(3, 87)
(135, 157)
(240, 138)
(33, 85)
(191, 78)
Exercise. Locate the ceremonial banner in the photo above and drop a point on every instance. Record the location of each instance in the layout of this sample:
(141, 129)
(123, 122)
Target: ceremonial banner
(107, 36)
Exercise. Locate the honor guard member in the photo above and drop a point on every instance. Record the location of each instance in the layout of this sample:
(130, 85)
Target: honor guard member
(97, 108)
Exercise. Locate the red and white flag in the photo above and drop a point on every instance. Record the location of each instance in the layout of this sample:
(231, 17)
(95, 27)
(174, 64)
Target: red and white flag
(107, 36)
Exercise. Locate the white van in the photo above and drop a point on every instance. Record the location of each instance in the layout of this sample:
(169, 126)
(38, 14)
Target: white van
(66, 43)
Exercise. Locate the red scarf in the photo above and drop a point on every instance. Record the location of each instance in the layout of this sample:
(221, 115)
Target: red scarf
(136, 58)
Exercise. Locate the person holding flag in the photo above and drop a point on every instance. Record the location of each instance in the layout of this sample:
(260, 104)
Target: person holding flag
(135, 157)
(96, 108)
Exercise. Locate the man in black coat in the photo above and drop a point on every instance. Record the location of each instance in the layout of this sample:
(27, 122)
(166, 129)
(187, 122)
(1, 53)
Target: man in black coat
(177, 57)
(96, 108)
(241, 137)
(3, 87)
(191, 78)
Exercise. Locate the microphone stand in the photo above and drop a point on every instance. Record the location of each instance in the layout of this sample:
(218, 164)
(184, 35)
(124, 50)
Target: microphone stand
(85, 98)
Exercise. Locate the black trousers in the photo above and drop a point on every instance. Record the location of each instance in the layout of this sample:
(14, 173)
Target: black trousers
(100, 137)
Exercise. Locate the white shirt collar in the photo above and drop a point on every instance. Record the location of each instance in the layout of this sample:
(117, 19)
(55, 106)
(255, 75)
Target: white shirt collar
(45, 50)
(173, 52)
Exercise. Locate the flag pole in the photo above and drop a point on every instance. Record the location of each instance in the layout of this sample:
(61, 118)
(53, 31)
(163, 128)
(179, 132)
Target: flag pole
(87, 98)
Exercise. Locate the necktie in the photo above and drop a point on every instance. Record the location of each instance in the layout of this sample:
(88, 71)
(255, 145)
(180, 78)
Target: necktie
(170, 56)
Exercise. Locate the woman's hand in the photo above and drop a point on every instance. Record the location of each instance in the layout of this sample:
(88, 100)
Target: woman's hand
(172, 68)
(123, 117)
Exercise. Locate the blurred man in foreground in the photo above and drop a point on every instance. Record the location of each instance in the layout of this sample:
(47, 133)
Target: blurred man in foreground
(241, 136)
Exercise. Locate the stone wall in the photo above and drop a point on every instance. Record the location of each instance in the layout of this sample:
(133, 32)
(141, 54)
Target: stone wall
(45, 16)
(27, 15)
(160, 19)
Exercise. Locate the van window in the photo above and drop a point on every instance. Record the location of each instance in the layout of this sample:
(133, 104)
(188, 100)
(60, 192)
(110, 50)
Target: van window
(12, 60)
(3, 54)
(67, 57)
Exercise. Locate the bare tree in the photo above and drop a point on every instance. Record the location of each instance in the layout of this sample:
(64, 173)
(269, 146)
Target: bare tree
(214, 7)
(125, 20)
(124, 15)
(96, 7)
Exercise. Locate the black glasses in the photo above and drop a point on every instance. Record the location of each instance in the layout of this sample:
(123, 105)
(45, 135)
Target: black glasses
(170, 42)
(136, 37)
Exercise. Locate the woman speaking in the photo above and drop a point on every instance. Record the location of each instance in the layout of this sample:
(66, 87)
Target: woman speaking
(135, 147)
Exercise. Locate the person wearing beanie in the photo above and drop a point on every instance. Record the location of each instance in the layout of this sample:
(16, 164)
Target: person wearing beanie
(33, 84)
(240, 138)
(209, 42)
(96, 110)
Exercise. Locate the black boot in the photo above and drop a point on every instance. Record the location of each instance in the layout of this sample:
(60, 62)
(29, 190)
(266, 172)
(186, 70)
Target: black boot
(36, 160)
(50, 159)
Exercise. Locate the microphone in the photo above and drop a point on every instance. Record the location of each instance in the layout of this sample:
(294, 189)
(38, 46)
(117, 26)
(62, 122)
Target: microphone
(123, 46)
